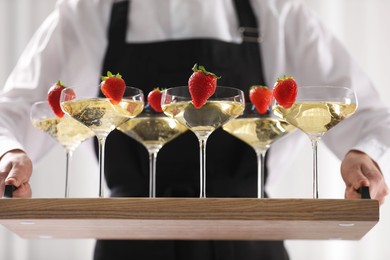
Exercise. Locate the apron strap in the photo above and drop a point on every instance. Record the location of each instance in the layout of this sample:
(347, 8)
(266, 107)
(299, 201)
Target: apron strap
(117, 28)
(249, 26)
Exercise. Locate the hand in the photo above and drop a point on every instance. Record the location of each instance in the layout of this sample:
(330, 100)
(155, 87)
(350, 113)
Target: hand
(16, 169)
(358, 169)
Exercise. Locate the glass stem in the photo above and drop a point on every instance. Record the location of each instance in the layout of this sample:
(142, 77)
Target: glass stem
(314, 143)
(152, 174)
(260, 173)
(202, 153)
(69, 154)
(102, 144)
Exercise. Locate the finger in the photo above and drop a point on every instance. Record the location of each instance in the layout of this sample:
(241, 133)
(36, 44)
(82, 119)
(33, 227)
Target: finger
(12, 181)
(17, 176)
(360, 180)
(354, 184)
(23, 191)
(352, 193)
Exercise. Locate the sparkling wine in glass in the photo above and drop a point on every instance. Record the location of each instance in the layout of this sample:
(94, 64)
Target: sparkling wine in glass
(258, 131)
(316, 110)
(101, 116)
(153, 130)
(65, 130)
(226, 104)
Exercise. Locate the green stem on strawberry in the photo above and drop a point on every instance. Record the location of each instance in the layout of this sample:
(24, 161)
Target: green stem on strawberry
(59, 83)
(197, 68)
(110, 75)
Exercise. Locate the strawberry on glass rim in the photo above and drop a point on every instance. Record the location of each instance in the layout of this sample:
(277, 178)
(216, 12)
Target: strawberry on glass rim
(285, 91)
(53, 97)
(201, 84)
(113, 87)
(154, 99)
(261, 97)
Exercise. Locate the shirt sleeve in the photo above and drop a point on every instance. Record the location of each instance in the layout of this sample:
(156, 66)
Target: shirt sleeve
(309, 52)
(68, 46)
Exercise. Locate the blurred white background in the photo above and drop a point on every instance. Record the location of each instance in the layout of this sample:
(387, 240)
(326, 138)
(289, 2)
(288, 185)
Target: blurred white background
(360, 24)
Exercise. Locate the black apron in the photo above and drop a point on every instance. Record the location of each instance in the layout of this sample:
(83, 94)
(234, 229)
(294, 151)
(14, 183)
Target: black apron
(231, 164)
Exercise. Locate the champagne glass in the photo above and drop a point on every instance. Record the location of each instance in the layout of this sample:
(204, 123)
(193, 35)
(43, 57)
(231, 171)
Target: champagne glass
(153, 130)
(226, 104)
(101, 116)
(316, 110)
(65, 130)
(258, 131)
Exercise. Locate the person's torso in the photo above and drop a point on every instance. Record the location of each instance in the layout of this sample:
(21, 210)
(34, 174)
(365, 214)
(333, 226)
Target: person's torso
(231, 164)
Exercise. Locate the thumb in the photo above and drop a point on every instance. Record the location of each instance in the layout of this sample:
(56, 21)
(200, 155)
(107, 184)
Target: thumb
(360, 181)
(12, 181)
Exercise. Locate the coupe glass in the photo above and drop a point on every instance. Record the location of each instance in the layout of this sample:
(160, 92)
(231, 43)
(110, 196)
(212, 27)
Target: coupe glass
(226, 104)
(258, 131)
(316, 110)
(101, 116)
(65, 130)
(153, 130)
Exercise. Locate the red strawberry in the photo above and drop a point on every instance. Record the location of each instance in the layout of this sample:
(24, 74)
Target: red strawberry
(154, 99)
(113, 87)
(70, 94)
(201, 85)
(261, 97)
(53, 97)
(285, 91)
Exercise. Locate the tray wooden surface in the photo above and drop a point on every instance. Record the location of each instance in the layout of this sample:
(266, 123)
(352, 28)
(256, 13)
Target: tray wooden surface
(189, 218)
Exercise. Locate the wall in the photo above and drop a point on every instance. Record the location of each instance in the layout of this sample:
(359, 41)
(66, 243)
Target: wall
(360, 26)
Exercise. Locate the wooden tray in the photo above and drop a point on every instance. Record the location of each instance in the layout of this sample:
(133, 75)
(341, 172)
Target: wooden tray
(189, 218)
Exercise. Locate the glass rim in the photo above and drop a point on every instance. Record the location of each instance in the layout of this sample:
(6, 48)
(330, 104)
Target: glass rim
(140, 93)
(325, 86)
(238, 91)
(184, 86)
(39, 102)
(316, 89)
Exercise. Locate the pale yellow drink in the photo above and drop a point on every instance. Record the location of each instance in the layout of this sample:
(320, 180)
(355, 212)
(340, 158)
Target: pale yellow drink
(258, 132)
(206, 119)
(66, 130)
(154, 131)
(315, 118)
(100, 115)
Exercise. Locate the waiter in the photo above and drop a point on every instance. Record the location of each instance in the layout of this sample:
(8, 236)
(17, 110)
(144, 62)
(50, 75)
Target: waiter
(155, 44)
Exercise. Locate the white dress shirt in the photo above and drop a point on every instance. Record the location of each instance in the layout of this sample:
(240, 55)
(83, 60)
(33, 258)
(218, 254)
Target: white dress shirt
(70, 45)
